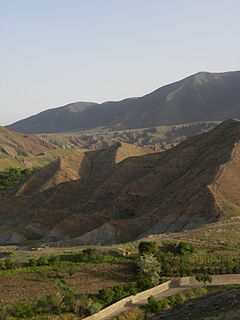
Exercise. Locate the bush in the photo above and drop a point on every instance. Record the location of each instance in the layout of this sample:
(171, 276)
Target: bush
(179, 298)
(68, 299)
(94, 308)
(184, 248)
(204, 278)
(53, 259)
(144, 284)
(21, 309)
(153, 305)
(147, 247)
(9, 264)
(89, 254)
(119, 292)
(106, 295)
(53, 304)
(131, 288)
(42, 261)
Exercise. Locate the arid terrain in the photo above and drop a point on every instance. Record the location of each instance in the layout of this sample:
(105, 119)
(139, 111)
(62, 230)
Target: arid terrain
(182, 188)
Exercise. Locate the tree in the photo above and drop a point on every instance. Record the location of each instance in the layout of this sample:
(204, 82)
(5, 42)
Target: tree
(149, 268)
(147, 247)
(184, 248)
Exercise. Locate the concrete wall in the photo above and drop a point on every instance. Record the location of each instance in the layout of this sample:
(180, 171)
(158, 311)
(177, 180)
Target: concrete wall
(151, 292)
(109, 310)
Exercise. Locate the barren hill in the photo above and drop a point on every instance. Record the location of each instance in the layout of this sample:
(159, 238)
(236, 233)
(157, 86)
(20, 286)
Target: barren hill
(200, 97)
(121, 197)
(16, 144)
(26, 151)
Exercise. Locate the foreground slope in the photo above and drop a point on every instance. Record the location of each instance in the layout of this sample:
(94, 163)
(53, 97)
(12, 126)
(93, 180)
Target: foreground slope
(216, 306)
(120, 198)
(200, 97)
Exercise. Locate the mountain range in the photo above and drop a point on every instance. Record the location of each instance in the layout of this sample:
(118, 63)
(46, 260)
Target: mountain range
(124, 192)
(200, 97)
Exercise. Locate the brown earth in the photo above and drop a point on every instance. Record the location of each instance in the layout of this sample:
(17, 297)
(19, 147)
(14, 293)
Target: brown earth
(158, 138)
(16, 144)
(86, 279)
(196, 182)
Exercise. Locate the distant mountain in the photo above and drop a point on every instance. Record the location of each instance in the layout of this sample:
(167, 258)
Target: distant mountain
(121, 193)
(200, 97)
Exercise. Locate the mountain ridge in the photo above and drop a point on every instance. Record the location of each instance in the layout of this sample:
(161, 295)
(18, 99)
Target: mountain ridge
(201, 97)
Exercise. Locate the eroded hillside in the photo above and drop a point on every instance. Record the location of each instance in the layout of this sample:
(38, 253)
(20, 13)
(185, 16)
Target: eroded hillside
(122, 193)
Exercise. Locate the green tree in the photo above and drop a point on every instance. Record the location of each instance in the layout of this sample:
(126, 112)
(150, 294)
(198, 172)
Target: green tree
(147, 247)
(149, 268)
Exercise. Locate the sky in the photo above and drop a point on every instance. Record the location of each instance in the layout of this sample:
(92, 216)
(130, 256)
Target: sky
(54, 52)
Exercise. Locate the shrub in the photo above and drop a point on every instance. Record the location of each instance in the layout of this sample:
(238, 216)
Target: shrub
(42, 261)
(52, 304)
(204, 278)
(144, 284)
(119, 292)
(131, 288)
(32, 262)
(179, 298)
(9, 264)
(184, 248)
(94, 308)
(89, 254)
(21, 309)
(153, 305)
(147, 247)
(106, 296)
(53, 259)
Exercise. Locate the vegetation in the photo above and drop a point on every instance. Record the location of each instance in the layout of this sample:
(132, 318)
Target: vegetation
(204, 278)
(157, 305)
(149, 268)
(13, 175)
(152, 267)
(147, 247)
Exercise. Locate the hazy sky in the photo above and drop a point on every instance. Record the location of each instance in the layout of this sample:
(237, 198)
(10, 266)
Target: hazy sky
(53, 52)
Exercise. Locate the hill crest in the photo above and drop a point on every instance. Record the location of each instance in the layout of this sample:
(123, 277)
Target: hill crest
(200, 97)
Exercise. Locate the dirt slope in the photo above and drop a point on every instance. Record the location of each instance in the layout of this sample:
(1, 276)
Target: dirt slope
(120, 198)
(13, 143)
